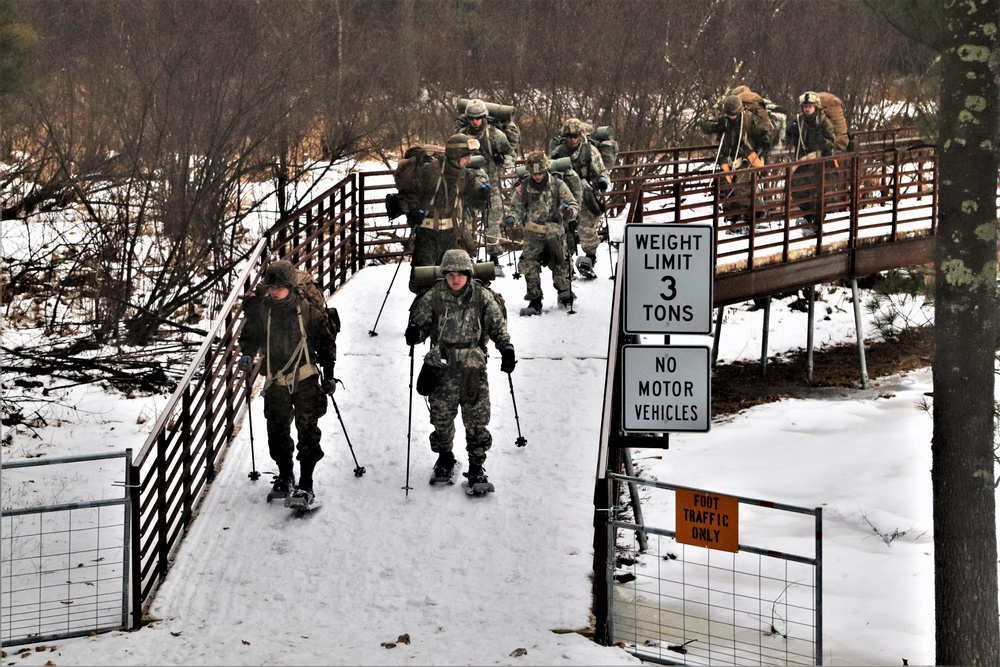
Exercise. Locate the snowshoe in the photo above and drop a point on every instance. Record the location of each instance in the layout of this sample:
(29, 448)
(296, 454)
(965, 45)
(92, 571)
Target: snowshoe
(477, 484)
(534, 307)
(585, 265)
(302, 500)
(280, 488)
(444, 469)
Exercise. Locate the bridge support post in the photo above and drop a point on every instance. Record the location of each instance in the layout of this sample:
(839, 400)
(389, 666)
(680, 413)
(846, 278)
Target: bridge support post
(859, 332)
(763, 335)
(811, 300)
(715, 337)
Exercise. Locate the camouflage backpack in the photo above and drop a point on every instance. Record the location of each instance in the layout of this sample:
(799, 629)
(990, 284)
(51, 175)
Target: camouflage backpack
(606, 145)
(405, 174)
(306, 286)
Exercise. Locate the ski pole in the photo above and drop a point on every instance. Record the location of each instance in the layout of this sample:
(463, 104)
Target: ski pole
(372, 332)
(520, 442)
(359, 470)
(611, 261)
(253, 474)
(409, 424)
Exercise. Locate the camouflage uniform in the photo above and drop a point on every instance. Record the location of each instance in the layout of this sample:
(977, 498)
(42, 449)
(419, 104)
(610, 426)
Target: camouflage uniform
(541, 209)
(813, 135)
(589, 165)
(738, 138)
(443, 190)
(459, 325)
(292, 387)
(498, 156)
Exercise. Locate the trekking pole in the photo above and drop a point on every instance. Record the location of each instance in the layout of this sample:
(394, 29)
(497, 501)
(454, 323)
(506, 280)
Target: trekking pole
(571, 240)
(359, 470)
(409, 424)
(253, 474)
(372, 332)
(611, 261)
(520, 442)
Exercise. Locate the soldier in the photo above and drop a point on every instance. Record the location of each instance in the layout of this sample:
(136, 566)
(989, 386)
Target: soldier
(293, 335)
(435, 199)
(813, 135)
(594, 175)
(542, 204)
(498, 157)
(744, 138)
(460, 316)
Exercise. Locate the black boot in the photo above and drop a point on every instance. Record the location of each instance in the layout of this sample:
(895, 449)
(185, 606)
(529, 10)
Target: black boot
(445, 465)
(283, 482)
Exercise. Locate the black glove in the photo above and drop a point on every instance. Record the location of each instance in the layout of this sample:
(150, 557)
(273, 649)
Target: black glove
(498, 158)
(507, 360)
(573, 224)
(414, 218)
(329, 386)
(245, 363)
(484, 192)
(412, 334)
(602, 184)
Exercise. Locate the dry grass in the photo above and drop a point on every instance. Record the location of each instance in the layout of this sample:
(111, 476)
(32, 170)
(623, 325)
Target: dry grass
(740, 385)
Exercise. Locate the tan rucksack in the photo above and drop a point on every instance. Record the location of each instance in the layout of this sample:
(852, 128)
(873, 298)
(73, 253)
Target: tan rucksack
(754, 102)
(833, 107)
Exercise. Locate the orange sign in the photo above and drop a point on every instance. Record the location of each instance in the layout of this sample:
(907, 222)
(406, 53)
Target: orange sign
(708, 520)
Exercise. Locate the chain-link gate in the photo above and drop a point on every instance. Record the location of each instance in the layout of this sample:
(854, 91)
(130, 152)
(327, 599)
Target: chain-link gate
(64, 566)
(676, 601)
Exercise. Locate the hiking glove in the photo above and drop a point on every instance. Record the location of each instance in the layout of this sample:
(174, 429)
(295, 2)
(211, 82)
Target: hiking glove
(507, 360)
(484, 192)
(573, 224)
(602, 184)
(498, 158)
(244, 363)
(414, 218)
(565, 211)
(412, 334)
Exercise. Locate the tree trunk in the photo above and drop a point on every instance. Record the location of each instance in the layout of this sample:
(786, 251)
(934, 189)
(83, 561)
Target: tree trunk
(965, 551)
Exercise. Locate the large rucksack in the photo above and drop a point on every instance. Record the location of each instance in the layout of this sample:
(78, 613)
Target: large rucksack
(758, 105)
(405, 174)
(606, 144)
(306, 286)
(833, 107)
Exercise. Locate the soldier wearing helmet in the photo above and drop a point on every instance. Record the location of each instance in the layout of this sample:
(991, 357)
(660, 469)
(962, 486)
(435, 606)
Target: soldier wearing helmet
(744, 139)
(594, 178)
(813, 135)
(460, 316)
(542, 204)
(294, 338)
(812, 131)
(441, 192)
(498, 158)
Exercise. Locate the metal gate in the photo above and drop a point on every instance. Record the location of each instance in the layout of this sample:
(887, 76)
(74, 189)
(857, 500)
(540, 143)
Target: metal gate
(672, 602)
(64, 566)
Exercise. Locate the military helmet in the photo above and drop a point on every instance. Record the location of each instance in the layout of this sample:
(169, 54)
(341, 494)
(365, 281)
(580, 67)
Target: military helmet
(573, 126)
(456, 260)
(460, 145)
(476, 109)
(809, 97)
(732, 105)
(537, 162)
(280, 274)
